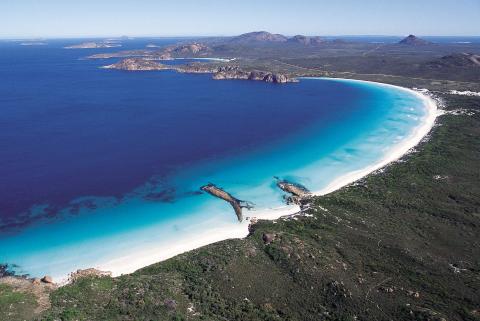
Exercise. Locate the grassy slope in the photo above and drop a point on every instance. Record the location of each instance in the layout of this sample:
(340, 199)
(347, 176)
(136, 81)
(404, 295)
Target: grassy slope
(16, 305)
(384, 249)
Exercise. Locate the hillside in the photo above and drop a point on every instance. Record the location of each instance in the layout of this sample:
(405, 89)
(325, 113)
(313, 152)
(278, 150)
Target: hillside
(412, 40)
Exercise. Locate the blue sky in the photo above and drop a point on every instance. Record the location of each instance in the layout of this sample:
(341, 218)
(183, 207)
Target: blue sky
(76, 18)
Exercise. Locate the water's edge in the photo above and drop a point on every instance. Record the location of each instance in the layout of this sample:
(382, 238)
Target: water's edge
(189, 233)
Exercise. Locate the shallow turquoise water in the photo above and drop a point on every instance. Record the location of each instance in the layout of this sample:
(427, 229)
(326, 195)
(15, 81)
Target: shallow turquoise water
(311, 133)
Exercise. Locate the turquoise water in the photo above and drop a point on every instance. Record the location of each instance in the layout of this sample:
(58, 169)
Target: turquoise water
(236, 134)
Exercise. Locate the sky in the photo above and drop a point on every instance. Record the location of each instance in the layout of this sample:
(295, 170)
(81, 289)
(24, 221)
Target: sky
(88, 18)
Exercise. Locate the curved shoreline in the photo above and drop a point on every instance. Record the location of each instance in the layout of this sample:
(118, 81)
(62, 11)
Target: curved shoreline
(207, 230)
(135, 261)
(398, 151)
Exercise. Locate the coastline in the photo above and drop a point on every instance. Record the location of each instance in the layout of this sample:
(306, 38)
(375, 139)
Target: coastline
(130, 263)
(398, 151)
(158, 242)
(201, 237)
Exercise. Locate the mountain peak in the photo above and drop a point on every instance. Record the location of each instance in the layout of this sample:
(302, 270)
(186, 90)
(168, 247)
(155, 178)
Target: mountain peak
(413, 41)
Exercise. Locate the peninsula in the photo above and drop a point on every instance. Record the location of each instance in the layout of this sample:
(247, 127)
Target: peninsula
(218, 72)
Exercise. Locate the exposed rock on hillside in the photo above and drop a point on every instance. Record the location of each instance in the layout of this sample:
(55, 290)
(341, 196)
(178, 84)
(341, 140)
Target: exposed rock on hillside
(219, 72)
(259, 36)
(305, 40)
(47, 279)
(75, 276)
(137, 64)
(193, 48)
(182, 50)
(233, 72)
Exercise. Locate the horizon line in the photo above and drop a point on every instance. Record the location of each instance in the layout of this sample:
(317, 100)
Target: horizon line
(37, 37)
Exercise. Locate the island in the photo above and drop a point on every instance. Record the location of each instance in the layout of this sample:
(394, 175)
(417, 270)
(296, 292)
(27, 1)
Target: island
(33, 43)
(94, 45)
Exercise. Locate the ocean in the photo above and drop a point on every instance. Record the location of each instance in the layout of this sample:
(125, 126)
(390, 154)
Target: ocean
(103, 168)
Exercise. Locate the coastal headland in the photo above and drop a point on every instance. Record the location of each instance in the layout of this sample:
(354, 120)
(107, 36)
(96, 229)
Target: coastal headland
(218, 72)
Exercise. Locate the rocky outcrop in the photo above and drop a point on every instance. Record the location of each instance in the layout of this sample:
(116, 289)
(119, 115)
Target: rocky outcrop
(137, 64)
(47, 279)
(297, 192)
(75, 276)
(187, 49)
(412, 40)
(168, 53)
(258, 36)
(236, 203)
(268, 238)
(233, 72)
(219, 72)
(197, 68)
(94, 45)
(306, 41)
(4, 271)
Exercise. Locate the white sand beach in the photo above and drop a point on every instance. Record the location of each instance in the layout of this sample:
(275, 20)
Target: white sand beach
(205, 234)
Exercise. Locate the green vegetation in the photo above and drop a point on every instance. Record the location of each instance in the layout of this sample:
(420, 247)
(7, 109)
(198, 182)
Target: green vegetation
(402, 244)
(16, 305)
(398, 245)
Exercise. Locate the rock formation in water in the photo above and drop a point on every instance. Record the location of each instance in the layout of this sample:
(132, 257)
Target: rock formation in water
(297, 191)
(236, 203)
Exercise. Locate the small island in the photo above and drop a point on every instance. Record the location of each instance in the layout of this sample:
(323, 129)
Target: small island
(94, 45)
(33, 43)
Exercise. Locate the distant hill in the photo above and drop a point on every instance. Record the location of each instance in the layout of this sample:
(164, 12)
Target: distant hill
(412, 40)
(465, 60)
(258, 36)
(305, 40)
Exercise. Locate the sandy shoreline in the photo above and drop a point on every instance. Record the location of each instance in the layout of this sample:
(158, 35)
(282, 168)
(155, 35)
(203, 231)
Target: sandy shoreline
(145, 257)
(204, 235)
(397, 151)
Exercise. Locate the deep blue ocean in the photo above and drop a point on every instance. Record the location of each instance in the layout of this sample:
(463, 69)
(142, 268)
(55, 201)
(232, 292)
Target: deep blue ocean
(90, 156)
